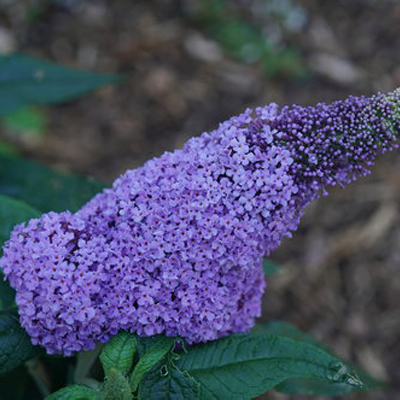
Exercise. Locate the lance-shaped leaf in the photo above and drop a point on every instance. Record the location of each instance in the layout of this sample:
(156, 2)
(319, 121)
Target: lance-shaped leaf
(280, 328)
(26, 80)
(75, 392)
(15, 344)
(118, 353)
(313, 387)
(245, 366)
(154, 355)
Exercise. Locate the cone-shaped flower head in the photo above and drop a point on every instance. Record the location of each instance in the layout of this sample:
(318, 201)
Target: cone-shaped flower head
(175, 246)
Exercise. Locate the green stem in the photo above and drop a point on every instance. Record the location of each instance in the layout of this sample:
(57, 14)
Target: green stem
(32, 366)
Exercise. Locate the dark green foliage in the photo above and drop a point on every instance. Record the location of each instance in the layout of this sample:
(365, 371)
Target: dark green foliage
(76, 392)
(168, 383)
(7, 294)
(15, 344)
(118, 353)
(244, 41)
(13, 212)
(116, 386)
(151, 358)
(245, 366)
(312, 387)
(42, 188)
(26, 80)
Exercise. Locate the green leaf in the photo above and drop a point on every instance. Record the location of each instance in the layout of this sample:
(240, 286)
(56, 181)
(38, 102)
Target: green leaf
(280, 328)
(27, 121)
(13, 212)
(118, 353)
(270, 268)
(26, 80)
(245, 366)
(7, 294)
(155, 354)
(116, 386)
(313, 387)
(75, 392)
(41, 187)
(145, 343)
(13, 384)
(15, 344)
(168, 384)
(8, 149)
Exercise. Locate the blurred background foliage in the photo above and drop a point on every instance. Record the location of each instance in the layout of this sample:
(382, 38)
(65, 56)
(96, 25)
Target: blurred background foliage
(189, 64)
(256, 34)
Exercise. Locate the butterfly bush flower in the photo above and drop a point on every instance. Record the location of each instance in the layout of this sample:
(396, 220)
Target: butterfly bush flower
(175, 247)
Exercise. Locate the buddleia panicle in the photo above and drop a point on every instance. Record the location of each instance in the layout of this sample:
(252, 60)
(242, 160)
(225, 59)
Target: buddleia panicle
(175, 247)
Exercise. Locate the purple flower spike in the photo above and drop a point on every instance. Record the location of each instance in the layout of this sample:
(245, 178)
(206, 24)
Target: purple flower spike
(175, 247)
